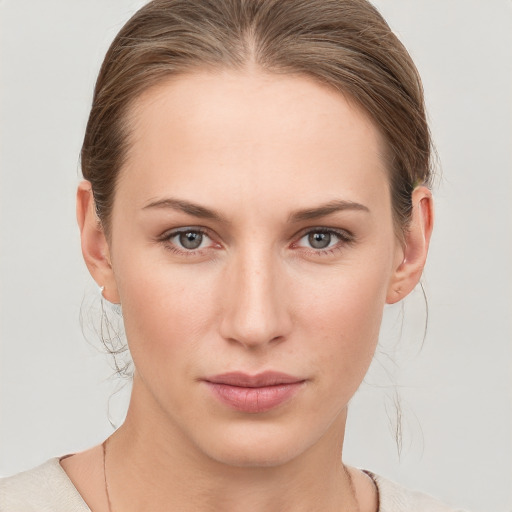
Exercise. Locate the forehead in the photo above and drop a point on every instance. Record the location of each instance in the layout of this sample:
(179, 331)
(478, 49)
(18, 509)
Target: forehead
(243, 135)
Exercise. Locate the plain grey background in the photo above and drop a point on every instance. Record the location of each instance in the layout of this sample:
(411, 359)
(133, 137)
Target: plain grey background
(455, 388)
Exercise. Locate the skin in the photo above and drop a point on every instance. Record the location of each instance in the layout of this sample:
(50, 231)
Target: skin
(264, 153)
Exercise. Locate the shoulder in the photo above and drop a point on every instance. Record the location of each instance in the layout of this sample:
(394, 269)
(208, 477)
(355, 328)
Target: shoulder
(45, 488)
(395, 498)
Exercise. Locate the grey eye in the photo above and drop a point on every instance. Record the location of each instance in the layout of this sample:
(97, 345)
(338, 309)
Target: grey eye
(319, 240)
(191, 239)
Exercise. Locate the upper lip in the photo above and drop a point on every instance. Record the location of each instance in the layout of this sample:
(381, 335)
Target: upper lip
(244, 380)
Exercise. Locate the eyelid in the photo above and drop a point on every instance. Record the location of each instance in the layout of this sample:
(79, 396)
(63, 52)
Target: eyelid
(344, 234)
(345, 237)
(169, 233)
(166, 237)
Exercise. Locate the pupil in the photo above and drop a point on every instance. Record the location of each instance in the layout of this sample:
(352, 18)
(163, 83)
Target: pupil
(191, 240)
(320, 240)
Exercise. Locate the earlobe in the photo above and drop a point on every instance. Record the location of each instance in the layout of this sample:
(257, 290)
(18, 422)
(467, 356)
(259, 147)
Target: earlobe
(414, 252)
(95, 247)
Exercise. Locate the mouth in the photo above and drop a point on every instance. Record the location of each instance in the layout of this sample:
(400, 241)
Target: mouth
(254, 393)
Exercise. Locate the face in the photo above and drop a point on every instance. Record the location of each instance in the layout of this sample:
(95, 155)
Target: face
(253, 251)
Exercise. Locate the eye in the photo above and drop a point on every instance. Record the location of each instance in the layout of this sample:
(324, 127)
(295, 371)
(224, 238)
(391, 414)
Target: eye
(319, 240)
(324, 239)
(190, 239)
(187, 240)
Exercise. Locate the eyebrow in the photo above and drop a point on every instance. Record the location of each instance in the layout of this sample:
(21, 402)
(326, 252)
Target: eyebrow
(326, 209)
(300, 215)
(186, 207)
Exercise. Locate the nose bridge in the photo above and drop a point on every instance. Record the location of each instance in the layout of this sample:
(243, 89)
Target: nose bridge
(255, 313)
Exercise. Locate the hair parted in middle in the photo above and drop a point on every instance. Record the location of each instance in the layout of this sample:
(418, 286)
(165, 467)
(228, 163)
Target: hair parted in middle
(344, 44)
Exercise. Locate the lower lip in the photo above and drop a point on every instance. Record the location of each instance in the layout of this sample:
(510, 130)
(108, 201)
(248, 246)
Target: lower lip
(254, 400)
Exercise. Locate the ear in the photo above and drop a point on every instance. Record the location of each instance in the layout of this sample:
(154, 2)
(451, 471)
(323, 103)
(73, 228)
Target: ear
(95, 247)
(412, 256)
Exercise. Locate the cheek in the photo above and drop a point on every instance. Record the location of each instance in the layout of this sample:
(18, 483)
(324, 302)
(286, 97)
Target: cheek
(168, 311)
(341, 322)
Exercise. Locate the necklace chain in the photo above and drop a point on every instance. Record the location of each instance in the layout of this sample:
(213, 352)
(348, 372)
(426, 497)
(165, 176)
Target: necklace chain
(352, 488)
(105, 474)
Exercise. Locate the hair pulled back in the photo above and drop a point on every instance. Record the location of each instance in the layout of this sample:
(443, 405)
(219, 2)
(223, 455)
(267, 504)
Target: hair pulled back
(343, 43)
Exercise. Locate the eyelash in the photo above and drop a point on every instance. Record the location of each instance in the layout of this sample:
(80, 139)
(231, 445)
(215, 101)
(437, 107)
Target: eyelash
(169, 235)
(345, 238)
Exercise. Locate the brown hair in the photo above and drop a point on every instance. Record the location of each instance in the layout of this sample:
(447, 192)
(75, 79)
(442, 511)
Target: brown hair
(343, 43)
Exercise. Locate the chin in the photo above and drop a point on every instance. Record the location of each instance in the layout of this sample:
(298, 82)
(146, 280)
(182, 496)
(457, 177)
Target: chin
(260, 447)
(253, 457)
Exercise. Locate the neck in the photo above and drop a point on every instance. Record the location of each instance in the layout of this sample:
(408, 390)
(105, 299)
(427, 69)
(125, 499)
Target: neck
(156, 456)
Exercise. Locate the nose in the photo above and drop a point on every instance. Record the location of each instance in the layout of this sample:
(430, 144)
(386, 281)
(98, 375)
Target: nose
(255, 309)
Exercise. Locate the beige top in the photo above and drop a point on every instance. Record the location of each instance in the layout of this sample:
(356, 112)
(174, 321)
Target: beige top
(47, 488)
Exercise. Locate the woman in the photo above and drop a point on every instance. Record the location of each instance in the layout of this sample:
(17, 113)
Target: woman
(256, 190)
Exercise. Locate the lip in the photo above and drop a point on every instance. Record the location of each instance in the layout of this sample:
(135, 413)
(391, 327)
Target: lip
(254, 393)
